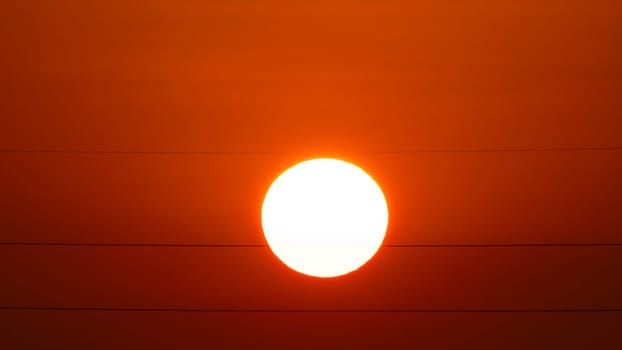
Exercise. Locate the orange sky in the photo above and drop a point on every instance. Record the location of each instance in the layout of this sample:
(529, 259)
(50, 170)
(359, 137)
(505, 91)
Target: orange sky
(332, 78)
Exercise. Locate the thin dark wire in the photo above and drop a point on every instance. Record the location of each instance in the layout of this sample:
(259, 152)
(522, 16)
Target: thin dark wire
(413, 151)
(218, 310)
(218, 245)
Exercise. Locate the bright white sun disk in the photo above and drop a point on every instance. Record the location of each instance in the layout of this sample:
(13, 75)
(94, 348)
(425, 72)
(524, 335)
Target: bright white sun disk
(324, 217)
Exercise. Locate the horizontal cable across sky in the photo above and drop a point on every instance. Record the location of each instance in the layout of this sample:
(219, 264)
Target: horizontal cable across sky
(270, 310)
(224, 245)
(412, 151)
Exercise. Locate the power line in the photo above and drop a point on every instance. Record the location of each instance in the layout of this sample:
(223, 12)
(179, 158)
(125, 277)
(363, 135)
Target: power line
(507, 245)
(221, 245)
(412, 151)
(277, 310)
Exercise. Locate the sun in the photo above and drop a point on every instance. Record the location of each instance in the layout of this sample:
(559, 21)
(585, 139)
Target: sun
(324, 217)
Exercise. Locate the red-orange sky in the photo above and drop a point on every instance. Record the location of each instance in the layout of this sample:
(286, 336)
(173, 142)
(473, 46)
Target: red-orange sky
(280, 82)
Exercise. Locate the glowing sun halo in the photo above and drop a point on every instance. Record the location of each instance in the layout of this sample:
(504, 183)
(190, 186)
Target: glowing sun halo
(324, 217)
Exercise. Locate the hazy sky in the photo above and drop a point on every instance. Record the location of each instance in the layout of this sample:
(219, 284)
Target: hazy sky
(281, 82)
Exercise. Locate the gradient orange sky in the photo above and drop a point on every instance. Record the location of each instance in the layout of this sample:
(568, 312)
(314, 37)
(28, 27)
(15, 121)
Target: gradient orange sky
(281, 82)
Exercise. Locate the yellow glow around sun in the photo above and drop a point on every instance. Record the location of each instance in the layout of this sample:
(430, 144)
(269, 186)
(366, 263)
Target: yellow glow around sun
(324, 217)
